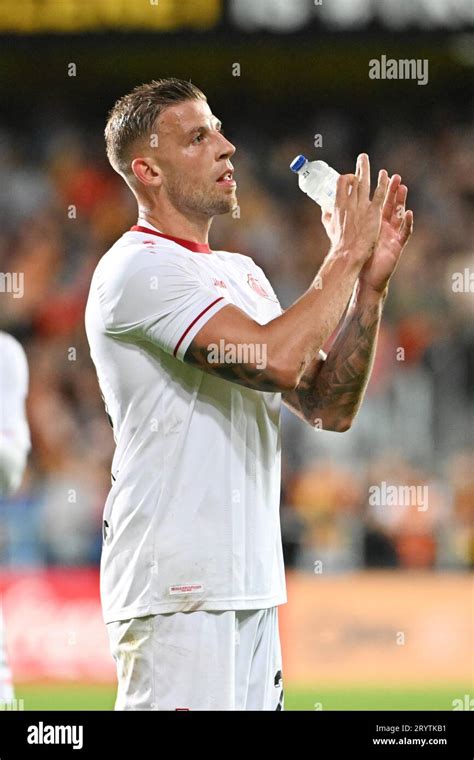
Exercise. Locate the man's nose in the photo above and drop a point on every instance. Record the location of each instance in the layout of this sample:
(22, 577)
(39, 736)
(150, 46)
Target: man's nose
(226, 149)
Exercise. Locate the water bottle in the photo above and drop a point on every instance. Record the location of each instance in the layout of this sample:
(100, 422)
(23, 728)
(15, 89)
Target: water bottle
(316, 179)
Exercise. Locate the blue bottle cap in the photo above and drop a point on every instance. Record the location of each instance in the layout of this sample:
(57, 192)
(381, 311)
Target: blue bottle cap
(297, 163)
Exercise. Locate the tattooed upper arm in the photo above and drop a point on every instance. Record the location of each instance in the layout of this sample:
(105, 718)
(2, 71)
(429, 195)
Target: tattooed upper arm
(243, 373)
(240, 356)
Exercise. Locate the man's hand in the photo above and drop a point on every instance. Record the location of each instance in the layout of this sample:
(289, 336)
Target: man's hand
(354, 225)
(395, 232)
(395, 229)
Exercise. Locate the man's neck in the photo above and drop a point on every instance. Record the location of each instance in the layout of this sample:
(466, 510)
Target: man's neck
(194, 230)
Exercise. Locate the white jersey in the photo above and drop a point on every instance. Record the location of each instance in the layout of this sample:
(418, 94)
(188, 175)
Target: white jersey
(14, 447)
(14, 431)
(192, 519)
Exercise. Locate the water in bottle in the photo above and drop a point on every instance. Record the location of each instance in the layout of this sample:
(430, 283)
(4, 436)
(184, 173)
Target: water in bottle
(316, 179)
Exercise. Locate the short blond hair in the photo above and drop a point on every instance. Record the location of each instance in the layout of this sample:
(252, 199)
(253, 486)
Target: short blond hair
(134, 116)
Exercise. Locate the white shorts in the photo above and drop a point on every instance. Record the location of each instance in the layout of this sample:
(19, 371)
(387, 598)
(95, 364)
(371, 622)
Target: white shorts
(199, 660)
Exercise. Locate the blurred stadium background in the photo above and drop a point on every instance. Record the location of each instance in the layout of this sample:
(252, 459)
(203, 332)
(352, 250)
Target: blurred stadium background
(380, 597)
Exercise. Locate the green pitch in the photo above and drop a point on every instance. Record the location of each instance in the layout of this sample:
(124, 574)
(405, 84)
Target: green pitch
(63, 696)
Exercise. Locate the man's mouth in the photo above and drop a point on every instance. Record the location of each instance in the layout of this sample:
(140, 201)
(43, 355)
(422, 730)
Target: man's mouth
(227, 179)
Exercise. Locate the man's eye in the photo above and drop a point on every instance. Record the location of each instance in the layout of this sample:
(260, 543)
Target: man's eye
(198, 138)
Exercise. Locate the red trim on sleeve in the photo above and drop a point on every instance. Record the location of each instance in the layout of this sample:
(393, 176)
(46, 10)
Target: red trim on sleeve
(196, 247)
(194, 322)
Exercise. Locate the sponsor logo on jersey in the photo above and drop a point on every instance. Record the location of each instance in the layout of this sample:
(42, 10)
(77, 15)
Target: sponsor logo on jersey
(187, 588)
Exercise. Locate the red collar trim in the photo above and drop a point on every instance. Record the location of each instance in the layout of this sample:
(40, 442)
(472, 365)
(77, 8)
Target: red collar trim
(196, 247)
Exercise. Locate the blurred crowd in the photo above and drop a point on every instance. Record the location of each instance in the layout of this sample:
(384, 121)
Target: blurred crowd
(61, 208)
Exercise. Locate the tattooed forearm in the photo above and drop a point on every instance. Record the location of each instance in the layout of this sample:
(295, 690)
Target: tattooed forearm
(243, 374)
(331, 392)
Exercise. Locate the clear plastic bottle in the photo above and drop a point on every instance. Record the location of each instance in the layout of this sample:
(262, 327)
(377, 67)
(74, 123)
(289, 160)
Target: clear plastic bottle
(316, 179)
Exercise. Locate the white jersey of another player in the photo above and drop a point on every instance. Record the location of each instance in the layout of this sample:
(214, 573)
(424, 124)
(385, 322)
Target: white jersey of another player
(14, 432)
(192, 519)
(14, 448)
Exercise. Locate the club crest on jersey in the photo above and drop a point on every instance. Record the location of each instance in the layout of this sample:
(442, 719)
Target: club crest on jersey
(257, 286)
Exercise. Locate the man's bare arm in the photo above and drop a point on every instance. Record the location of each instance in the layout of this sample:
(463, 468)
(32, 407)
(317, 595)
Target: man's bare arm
(292, 341)
(331, 391)
(289, 342)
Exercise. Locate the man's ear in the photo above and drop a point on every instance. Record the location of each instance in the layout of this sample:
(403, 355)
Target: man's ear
(146, 171)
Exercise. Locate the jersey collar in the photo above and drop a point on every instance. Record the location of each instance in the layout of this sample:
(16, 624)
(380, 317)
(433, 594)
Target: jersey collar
(147, 228)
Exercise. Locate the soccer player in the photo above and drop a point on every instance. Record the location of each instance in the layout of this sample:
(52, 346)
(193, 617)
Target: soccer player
(14, 448)
(194, 357)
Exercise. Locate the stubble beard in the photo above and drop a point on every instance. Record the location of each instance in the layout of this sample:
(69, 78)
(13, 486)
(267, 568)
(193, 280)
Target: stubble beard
(199, 200)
